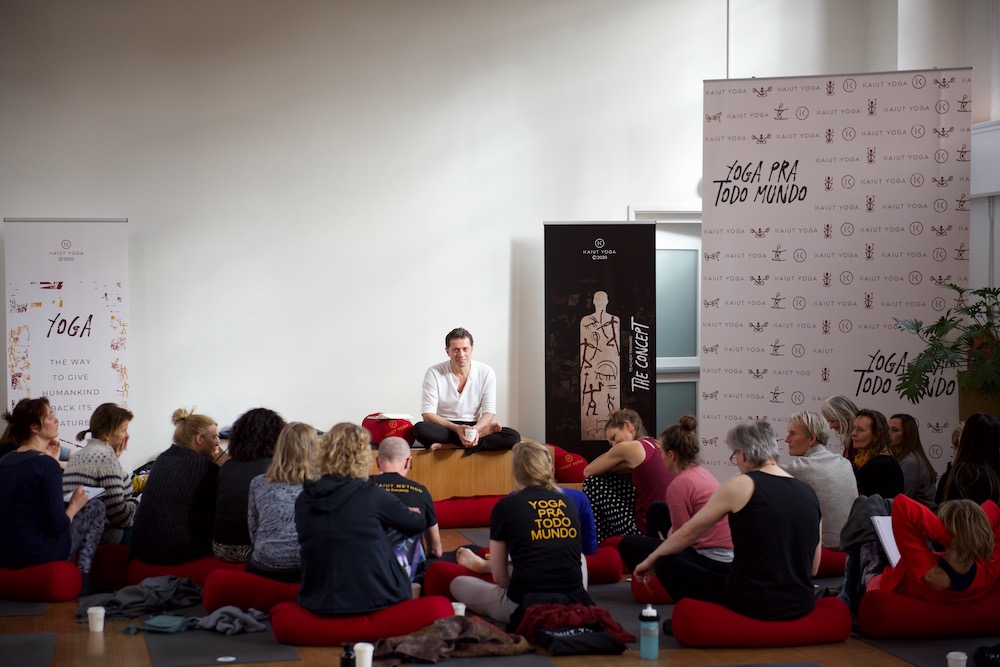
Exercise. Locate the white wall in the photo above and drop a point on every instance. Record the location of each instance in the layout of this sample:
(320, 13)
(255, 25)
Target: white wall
(318, 191)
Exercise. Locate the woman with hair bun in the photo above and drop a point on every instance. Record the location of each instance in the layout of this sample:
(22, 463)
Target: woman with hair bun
(624, 481)
(97, 465)
(251, 446)
(687, 494)
(177, 512)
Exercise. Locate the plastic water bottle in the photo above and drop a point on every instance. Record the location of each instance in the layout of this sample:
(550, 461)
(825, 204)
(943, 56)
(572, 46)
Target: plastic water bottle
(649, 634)
(347, 656)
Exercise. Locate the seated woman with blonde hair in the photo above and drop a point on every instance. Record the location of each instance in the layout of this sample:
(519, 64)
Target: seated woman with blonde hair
(177, 512)
(348, 565)
(539, 528)
(968, 567)
(271, 510)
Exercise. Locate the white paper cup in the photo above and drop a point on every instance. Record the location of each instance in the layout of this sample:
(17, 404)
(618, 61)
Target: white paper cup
(458, 608)
(414, 590)
(363, 653)
(95, 615)
(470, 433)
(957, 659)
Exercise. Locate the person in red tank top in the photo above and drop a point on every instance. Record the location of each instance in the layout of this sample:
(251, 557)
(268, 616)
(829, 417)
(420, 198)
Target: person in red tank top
(632, 454)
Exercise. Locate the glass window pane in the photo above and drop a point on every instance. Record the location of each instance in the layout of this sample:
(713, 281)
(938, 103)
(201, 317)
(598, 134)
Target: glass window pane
(676, 303)
(672, 400)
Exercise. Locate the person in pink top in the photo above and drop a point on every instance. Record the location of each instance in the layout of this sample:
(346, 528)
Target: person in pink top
(688, 493)
(634, 455)
(968, 567)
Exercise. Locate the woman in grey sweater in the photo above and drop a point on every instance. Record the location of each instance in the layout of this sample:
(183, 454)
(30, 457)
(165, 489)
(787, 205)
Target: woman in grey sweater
(271, 509)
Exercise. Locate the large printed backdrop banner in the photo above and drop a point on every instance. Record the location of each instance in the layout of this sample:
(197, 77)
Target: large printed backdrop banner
(831, 206)
(599, 329)
(67, 315)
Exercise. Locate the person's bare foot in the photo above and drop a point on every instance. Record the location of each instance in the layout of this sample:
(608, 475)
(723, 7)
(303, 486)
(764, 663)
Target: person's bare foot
(467, 559)
(441, 445)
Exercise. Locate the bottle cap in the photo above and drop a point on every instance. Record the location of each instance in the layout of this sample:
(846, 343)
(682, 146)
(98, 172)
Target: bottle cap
(648, 612)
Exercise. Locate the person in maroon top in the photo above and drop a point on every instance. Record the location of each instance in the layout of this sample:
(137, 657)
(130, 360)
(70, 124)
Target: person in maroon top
(633, 454)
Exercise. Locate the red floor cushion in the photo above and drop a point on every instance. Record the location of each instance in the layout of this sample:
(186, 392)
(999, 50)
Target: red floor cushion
(245, 590)
(709, 625)
(468, 512)
(439, 575)
(59, 581)
(653, 593)
(293, 624)
(613, 543)
(891, 615)
(110, 565)
(831, 563)
(604, 566)
(196, 570)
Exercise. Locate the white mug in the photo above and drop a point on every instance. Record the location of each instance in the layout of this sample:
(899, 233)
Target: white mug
(95, 616)
(470, 434)
(363, 654)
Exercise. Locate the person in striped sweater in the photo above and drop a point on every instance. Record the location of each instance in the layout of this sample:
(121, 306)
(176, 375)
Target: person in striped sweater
(97, 465)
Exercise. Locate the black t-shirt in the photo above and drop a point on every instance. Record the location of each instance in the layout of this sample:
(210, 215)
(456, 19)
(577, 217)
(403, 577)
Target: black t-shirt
(411, 493)
(542, 532)
(882, 475)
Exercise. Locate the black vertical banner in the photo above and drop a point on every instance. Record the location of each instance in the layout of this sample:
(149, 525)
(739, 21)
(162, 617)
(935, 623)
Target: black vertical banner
(600, 329)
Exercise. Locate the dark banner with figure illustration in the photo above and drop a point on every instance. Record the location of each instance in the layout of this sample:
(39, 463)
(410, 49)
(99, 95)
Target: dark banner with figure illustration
(600, 305)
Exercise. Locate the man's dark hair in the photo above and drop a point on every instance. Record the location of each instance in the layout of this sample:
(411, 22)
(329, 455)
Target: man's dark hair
(457, 334)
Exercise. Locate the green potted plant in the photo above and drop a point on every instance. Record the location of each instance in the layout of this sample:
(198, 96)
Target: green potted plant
(963, 338)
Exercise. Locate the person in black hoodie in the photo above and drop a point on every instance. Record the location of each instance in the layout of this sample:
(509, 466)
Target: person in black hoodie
(348, 565)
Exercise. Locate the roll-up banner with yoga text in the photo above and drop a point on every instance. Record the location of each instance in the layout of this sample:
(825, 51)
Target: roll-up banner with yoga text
(832, 205)
(600, 329)
(67, 315)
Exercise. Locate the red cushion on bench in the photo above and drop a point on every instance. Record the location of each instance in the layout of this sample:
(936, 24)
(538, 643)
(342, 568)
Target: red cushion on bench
(706, 624)
(891, 615)
(196, 570)
(654, 593)
(568, 465)
(293, 624)
(604, 566)
(832, 563)
(245, 590)
(58, 581)
(469, 512)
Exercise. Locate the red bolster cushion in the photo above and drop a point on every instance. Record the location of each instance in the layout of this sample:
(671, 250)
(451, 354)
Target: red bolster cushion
(245, 590)
(293, 624)
(654, 593)
(891, 615)
(196, 570)
(468, 512)
(439, 575)
(832, 563)
(708, 625)
(604, 566)
(59, 581)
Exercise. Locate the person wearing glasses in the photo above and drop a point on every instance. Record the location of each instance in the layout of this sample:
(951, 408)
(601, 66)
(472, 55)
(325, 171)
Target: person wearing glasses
(177, 513)
(775, 524)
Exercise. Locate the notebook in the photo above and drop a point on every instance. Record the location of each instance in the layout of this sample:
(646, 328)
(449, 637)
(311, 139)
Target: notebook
(883, 528)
